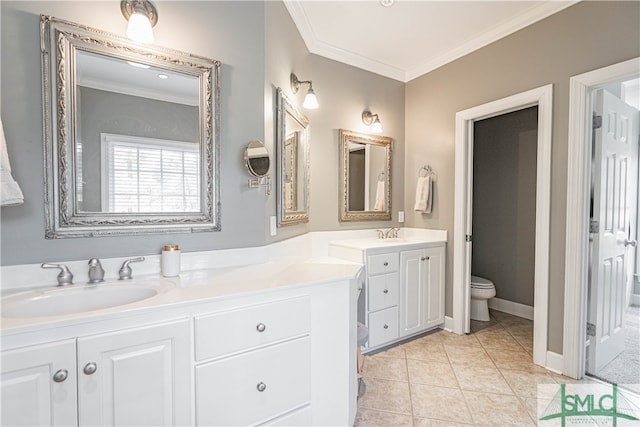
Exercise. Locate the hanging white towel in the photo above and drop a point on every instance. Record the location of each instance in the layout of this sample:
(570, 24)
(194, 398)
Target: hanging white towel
(10, 193)
(423, 195)
(379, 204)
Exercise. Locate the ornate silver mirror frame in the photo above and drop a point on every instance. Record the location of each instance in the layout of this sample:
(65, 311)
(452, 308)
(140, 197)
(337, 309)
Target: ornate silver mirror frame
(62, 43)
(292, 145)
(374, 176)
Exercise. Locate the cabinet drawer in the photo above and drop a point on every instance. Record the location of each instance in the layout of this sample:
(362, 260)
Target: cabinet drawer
(247, 327)
(383, 291)
(383, 326)
(228, 390)
(382, 263)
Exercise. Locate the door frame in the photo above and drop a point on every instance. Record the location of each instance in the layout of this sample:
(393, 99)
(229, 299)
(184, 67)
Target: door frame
(543, 98)
(578, 198)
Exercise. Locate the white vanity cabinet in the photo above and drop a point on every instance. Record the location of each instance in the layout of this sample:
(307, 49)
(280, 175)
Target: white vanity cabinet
(256, 357)
(404, 288)
(421, 289)
(135, 376)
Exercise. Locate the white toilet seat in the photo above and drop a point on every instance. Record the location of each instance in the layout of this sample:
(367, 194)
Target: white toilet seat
(481, 291)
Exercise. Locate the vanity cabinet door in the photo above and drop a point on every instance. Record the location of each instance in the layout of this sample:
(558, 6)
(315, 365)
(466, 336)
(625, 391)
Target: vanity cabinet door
(434, 314)
(39, 385)
(136, 376)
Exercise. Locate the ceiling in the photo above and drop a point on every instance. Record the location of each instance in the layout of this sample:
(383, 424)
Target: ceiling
(411, 37)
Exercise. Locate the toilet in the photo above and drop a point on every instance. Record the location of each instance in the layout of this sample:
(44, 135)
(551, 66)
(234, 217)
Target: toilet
(481, 290)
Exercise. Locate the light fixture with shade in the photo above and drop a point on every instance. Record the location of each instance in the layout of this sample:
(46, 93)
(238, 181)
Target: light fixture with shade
(310, 100)
(142, 16)
(370, 119)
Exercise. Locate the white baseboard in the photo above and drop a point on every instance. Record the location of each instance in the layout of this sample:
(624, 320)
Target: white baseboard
(511, 307)
(635, 299)
(448, 324)
(554, 362)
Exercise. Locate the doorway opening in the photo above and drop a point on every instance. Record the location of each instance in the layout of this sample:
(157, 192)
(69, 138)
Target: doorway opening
(462, 239)
(578, 263)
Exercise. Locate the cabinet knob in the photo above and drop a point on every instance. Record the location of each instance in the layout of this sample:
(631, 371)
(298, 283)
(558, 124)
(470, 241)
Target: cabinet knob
(90, 368)
(386, 291)
(60, 375)
(386, 326)
(385, 264)
(424, 258)
(261, 387)
(260, 327)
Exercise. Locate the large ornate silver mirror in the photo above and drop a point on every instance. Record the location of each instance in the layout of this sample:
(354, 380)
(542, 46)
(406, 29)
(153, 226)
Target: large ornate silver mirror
(365, 177)
(132, 135)
(292, 144)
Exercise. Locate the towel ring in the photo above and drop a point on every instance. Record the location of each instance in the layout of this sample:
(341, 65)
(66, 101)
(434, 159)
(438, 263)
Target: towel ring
(381, 176)
(426, 170)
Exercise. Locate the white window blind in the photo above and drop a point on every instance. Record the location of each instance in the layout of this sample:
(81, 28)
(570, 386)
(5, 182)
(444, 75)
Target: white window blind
(143, 175)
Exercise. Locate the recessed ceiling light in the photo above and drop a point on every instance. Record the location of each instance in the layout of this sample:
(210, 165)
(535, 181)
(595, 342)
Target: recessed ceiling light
(163, 76)
(387, 3)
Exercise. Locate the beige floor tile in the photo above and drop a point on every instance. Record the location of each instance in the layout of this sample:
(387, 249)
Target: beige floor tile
(395, 352)
(525, 384)
(525, 330)
(468, 356)
(430, 422)
(474, 378)
(432, 373)
(386, 395)
(385, 368)
(497, 409)
(451, 339)
(535, 406)
(373, 418)
(514, 360)
(502, 341)
(440, 403)
(421, 350)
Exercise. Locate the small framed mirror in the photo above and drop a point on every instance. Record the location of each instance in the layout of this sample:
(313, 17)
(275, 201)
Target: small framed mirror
(365, 177)
(131, 135)
(256, 158)
(292, 144)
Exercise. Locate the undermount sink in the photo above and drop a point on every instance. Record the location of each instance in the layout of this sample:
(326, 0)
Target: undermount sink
(73, 299)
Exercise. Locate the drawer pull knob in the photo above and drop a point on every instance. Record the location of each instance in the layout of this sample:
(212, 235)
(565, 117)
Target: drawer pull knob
(386, 326)
(385, 263)
(60, 375)
(386, 291)
(261, 327)
(90, 368)
(261, 387)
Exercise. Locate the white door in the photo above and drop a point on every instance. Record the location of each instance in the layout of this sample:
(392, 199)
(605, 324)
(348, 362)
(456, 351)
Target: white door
(614, 201)
(412, 273)
(136, 377)
(39, 385)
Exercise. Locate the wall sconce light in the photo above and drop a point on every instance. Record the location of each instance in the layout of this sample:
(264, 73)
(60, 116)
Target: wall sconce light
(142, 15)
(372, 120)
(310, 100)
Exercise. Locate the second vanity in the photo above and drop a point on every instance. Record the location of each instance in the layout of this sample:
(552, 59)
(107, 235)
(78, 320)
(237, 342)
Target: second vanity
(404, 288)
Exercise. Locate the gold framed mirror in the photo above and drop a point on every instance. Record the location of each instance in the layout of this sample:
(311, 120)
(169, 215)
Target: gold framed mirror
(365, 176)
(131, 135)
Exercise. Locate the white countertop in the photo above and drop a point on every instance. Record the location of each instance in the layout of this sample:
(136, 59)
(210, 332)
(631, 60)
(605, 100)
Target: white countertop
(204, 285)
(406, 238)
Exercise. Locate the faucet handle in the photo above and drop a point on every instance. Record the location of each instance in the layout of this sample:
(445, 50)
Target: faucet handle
(65, 277)
(381, 234)
(125, 271)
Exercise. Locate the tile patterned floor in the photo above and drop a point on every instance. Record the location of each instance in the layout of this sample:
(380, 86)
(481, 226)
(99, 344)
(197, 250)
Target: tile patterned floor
(442, 379)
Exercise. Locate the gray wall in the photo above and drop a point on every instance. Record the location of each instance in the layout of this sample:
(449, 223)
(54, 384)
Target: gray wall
(583, 37)
(504, 203)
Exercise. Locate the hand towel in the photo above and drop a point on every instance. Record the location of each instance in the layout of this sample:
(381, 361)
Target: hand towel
(379, 204)
(423, 195)
(10, 193)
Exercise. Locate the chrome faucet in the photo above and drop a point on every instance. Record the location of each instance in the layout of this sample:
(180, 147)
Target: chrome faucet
(392, 233)
(65, 277)
(96, 272)
(125, 270)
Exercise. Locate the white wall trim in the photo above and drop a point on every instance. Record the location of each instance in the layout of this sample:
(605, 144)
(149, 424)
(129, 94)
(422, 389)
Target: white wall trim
(578, 197)
(554, 362)
(510, 307)
(543, 98)
(448, 323)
